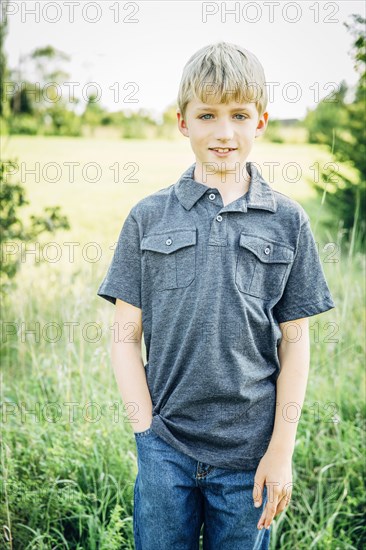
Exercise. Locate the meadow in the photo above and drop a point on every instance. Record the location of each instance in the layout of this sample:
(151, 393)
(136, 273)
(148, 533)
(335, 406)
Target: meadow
(68, 456)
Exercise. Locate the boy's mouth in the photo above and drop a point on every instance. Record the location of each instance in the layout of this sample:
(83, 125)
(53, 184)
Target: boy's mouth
(222, 151)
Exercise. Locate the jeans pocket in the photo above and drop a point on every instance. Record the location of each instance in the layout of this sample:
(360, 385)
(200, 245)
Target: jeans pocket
(144, 433)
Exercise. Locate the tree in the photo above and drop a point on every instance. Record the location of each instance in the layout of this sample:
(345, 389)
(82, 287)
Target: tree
(330, 115)
(93, 114)
(346, 138)
(4, 73)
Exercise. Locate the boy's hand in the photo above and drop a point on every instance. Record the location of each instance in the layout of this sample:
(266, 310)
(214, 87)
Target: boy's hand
(274, 470)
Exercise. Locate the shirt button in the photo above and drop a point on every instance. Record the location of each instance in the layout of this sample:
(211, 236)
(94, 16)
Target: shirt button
(219, 218)
(212, 196)
(168, 241)
(267, 250)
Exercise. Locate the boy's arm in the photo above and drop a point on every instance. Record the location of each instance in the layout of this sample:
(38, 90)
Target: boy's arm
(294, 356)
(128, 365)
(275, 468)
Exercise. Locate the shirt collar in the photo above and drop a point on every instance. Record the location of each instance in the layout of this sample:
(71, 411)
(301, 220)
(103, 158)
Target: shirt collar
(260, 194)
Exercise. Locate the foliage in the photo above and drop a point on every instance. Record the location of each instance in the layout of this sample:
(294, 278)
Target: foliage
(24, 124)
(13, 231)
(341, 127)
(273, 132)
(331, 113)
(62, 122)
(93, 113)
(4, 72)
(135, 126)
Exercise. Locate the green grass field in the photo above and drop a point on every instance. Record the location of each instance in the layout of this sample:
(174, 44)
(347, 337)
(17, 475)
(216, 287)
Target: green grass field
(68, 453)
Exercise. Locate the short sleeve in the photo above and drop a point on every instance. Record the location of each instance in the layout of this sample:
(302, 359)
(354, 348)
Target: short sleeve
(306, 292)
(123, 279)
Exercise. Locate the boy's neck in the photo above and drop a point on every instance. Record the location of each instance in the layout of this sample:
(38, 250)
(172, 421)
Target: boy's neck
(232, 184)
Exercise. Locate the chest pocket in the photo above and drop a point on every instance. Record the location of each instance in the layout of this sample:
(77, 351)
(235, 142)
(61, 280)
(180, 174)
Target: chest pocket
(262, 266)
(170, 257)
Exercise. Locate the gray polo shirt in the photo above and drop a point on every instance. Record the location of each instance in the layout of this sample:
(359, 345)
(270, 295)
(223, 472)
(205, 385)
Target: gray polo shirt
(213, 283)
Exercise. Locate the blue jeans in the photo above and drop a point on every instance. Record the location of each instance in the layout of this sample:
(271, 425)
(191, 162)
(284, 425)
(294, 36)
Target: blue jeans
(174, 494)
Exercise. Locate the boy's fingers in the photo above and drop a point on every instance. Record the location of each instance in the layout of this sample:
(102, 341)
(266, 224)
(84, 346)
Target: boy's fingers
(261, 521)
(269, 512)
(257, 492)
(271, 508)
(284, 502)
(258, 501)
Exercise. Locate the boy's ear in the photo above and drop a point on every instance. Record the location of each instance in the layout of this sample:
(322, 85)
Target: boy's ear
(262, 124)
(182, 124)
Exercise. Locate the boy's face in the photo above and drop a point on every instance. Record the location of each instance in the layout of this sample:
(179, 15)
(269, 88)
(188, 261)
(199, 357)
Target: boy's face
(233, 126)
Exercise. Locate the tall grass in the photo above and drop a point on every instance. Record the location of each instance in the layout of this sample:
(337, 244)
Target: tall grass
(68, 455)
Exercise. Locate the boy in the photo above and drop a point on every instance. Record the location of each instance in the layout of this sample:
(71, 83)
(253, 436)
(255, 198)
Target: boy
(222, 273)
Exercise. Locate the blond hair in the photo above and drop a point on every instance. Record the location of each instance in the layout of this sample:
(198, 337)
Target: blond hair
(220, 73)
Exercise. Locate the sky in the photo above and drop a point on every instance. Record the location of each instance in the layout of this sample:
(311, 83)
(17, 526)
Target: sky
(135, 51)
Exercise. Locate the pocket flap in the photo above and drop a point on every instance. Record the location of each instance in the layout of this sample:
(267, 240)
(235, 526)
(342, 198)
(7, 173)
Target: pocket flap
(267, 250)
(169, 241)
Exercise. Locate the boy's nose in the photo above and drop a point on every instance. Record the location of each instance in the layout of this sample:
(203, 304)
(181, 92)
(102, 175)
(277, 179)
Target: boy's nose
(223, 130)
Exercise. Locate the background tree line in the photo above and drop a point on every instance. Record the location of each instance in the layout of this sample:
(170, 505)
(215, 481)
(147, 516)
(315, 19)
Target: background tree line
(24, 109)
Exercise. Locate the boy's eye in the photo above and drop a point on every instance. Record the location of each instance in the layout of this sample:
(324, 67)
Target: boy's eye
(209, 114)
